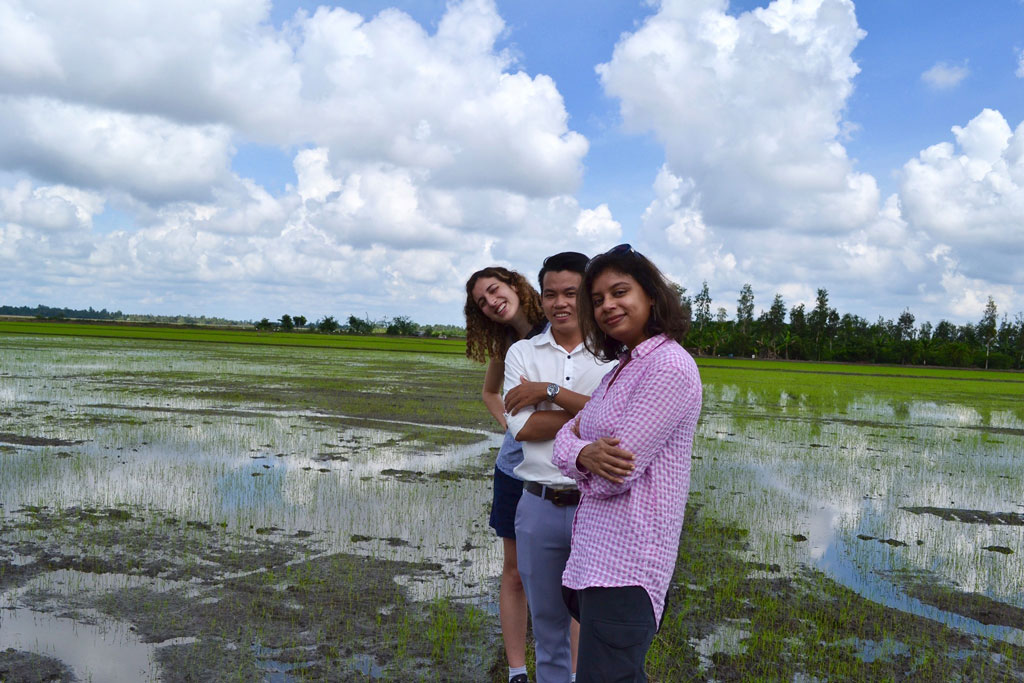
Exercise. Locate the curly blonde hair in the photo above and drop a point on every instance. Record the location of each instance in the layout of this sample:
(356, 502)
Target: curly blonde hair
(486, 338)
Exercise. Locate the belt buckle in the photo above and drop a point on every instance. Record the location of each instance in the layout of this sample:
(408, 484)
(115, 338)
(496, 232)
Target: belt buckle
(562, 497)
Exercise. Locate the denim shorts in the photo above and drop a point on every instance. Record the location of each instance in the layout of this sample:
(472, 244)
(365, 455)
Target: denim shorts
(507, 491)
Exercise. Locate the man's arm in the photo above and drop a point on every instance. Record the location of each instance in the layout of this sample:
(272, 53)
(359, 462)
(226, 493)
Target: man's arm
(528, 393)
(542, 425)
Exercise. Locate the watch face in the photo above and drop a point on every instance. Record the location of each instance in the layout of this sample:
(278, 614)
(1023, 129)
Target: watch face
(552, 390)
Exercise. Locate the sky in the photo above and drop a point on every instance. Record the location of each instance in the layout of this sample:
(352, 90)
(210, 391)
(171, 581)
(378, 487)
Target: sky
(247, 159)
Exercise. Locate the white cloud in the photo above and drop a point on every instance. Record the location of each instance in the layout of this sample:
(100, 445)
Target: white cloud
(944, 76)
(148, 156)
(420, 156)
(1020, 63)
(972, 200)
(48, 209)
(758, 188)
(759, 137)
(597, 227)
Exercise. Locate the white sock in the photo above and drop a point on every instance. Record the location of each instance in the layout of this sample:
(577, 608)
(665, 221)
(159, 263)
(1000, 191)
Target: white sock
(512, 673)
(572, 679)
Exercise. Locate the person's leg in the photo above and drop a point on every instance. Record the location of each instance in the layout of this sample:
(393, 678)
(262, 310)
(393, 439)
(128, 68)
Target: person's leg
(512, 607)
(574, 640)
(512, 610)
(616, 629)
(543, 551)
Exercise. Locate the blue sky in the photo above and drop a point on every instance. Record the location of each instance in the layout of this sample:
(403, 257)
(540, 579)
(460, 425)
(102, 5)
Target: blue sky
(252, 159)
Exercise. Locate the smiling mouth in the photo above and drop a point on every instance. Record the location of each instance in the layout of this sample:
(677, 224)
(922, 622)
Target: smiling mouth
(500, 310)
(614, 320)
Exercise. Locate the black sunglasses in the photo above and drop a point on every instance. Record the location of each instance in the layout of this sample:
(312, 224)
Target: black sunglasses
(620, 249)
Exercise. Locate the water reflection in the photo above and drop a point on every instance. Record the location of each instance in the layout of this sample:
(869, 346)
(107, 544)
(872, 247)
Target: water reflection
(837, 470)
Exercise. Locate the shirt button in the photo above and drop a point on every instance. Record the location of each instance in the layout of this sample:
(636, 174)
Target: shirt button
(566, 379)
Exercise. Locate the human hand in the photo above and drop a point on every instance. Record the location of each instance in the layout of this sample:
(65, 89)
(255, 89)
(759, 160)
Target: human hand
(605, 459)
(526, 394)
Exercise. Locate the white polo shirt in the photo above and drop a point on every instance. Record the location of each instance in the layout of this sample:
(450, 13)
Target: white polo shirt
(541, 359)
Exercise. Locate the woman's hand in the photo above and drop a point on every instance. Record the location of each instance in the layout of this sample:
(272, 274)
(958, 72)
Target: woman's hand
(605, 459)
(526, 394)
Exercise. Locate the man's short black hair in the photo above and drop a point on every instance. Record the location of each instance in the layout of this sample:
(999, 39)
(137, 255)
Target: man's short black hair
(567, 260)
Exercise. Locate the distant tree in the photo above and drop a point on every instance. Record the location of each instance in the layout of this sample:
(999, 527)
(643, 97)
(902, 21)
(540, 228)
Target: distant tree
(722, 315)
(264, 325)
(299, 320)
(987, 328)
(702, 307)
(327, 325)
(684, 300)
(817, 320)
(905, 326)
(797, 329)
(287, 324)
(1018, 344)
(402, 326)
(359, 325)
(945, 331)
(745, 309)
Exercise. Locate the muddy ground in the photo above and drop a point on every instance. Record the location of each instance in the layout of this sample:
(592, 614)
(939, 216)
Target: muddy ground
(231, 607)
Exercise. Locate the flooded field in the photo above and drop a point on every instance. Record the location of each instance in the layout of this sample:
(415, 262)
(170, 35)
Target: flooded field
(187, 511)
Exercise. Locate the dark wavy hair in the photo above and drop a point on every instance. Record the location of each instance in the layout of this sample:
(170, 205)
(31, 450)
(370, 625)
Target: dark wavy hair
(486, 338)
(667, 314)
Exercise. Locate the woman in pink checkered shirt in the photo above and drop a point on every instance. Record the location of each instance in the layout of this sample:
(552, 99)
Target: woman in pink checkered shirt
(629, 450)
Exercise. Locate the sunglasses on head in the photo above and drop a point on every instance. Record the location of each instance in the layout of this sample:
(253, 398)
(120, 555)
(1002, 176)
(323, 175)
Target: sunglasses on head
(620, 249)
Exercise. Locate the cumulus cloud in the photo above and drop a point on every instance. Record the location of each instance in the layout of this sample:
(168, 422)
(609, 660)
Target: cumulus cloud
(758, 137)
(944, 76)
(381, 90)
(970, 194)
(757, 186)
(150, 157)
(418, 155)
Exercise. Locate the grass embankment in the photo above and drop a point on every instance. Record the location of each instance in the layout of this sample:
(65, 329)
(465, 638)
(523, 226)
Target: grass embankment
(221, 336)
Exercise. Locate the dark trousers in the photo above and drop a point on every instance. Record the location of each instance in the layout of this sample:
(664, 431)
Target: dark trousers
(616, 629)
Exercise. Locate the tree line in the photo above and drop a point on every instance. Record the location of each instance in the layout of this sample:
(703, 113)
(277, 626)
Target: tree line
(42, 312)
(823, 334)
(398, 326)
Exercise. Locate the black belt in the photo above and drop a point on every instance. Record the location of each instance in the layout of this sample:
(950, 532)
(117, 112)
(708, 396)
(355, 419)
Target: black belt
(561, 497)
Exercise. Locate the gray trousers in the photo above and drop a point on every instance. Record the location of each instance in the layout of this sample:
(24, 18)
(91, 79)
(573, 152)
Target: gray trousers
(543, 536)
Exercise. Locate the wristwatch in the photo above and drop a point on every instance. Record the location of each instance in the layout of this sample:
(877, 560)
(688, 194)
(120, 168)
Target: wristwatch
(553, 391)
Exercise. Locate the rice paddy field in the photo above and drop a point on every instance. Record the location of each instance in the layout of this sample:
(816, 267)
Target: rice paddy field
(188, 509)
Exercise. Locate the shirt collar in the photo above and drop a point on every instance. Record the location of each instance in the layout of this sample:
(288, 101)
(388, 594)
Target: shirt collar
(647, 346)
(546, 337)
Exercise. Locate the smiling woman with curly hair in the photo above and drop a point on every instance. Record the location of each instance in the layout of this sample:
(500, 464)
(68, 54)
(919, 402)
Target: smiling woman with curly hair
(502, 308)
(490, 337)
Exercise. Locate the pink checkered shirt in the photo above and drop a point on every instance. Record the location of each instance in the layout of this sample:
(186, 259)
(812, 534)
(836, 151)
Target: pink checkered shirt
(628, 534)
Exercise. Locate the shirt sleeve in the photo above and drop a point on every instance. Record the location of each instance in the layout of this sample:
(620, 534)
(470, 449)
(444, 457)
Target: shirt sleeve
(515, 367)
(567, 448)
(657, 407)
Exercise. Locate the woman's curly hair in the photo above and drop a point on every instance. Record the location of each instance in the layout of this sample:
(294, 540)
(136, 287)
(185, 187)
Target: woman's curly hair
(486, 338)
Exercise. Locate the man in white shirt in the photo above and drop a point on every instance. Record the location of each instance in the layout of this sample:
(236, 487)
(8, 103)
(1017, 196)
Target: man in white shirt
(548, 379)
